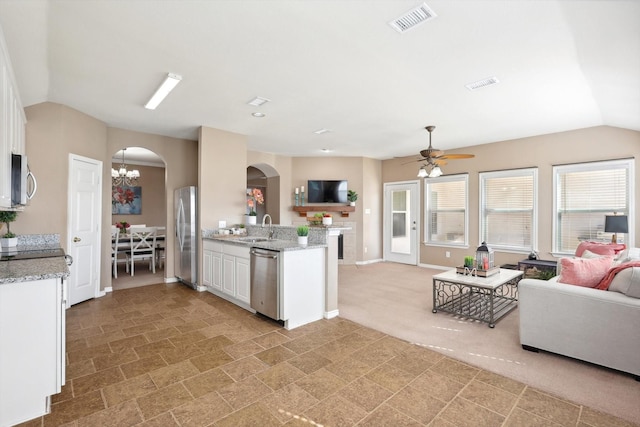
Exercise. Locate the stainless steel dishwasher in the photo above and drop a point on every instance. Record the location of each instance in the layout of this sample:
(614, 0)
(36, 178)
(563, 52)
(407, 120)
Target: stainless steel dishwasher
(264, 282)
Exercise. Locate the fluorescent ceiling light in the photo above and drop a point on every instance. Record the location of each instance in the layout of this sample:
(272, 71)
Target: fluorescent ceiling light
(161, 93)
(321, 131)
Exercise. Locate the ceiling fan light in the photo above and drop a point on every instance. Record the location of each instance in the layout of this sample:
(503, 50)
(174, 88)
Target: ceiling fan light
(435, 172)
(422, 172)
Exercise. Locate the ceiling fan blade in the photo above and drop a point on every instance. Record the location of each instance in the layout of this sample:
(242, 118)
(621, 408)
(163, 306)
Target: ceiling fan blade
(457, 156)
(440, 162)
(430, 152)
(416, 160)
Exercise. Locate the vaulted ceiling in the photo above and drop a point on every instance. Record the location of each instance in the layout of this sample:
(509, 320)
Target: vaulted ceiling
(334, 65)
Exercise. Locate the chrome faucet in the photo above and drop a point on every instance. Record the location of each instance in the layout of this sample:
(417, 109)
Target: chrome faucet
(264, 219)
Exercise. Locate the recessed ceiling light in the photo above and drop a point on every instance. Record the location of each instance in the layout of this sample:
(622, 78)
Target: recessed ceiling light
(161, 93)
(321, 131)
(258, 101)
(482, 83)
(326, 150)
(258, 114)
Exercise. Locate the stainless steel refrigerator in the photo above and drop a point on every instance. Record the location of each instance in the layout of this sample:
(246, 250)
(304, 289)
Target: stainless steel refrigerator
(186, 253)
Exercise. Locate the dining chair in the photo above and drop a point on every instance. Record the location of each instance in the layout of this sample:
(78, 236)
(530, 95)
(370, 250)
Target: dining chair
(115, 235)
(160, 245)
(142, 246)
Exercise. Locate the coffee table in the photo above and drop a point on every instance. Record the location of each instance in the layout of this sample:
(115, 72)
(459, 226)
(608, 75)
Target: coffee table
(487, 299)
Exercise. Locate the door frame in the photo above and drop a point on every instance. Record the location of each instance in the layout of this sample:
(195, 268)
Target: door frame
(98, 238)
(414, 257)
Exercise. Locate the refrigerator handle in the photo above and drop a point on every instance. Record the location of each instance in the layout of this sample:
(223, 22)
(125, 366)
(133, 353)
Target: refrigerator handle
(179, 223)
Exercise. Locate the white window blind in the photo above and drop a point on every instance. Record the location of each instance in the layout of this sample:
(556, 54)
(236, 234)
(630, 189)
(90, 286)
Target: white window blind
(508, 209)
(583, 195)
(446, 210)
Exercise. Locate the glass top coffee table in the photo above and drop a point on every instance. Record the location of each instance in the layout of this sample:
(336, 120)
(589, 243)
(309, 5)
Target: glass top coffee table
(487, 299)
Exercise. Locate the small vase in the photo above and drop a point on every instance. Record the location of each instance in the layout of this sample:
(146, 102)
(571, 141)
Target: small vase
(251, 219)
(327, 220)
(352, 203)
(303, 240)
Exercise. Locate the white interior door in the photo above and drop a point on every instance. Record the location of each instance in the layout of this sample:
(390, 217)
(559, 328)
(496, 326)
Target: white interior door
(400, 235)
(83, 225)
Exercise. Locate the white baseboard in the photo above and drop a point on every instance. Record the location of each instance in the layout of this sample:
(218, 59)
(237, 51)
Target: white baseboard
(331, 314)
(371, 261)
(170, 279)
(437, 267)
(106, 290)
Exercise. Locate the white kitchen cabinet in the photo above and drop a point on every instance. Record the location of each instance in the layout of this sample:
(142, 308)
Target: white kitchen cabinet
(32, 359)
(207, 270)
(226, 270)
(302, 286)
(12, 125)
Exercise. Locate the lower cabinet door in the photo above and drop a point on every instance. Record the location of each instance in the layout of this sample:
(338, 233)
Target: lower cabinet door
(243, 285)
(216, 270)
(228, 275)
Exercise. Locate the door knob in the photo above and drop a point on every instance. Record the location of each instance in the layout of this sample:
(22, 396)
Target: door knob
(76, 239)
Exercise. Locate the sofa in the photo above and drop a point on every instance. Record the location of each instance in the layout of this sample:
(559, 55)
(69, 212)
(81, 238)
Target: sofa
(584, 322)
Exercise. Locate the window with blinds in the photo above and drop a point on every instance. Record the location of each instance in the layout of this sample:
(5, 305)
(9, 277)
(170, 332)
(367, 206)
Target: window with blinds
(583, 195)
(446, 210)
(508, 209)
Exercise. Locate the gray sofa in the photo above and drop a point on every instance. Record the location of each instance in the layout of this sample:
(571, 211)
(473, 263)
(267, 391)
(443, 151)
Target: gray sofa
(601, 327)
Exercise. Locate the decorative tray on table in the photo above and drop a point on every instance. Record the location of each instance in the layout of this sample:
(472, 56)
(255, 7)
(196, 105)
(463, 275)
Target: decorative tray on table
(477, 272)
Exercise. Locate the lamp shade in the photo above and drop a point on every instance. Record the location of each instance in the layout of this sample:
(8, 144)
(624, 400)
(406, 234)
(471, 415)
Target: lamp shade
(616, 224)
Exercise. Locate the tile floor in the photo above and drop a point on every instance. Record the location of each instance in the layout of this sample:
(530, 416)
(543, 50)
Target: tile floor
(165, 355)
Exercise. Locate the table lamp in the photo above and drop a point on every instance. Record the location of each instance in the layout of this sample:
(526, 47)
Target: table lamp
(616, 224)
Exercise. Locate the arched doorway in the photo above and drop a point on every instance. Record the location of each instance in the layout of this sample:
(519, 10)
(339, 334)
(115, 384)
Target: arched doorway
(138, 202)
(267, 179)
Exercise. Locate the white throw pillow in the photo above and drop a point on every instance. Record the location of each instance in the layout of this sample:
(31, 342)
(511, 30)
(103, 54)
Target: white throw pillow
(627, 282)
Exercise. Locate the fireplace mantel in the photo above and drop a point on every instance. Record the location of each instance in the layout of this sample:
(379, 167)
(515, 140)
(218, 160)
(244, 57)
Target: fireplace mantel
(343, 209)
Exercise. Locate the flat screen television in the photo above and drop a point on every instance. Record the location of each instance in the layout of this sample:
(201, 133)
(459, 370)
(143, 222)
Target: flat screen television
(327, 191)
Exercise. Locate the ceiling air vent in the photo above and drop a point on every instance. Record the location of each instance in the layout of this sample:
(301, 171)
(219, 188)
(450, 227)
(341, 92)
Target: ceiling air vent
(412, 18)
(482, 83)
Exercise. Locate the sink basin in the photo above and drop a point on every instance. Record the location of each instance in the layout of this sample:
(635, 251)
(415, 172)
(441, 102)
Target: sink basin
(251, 239)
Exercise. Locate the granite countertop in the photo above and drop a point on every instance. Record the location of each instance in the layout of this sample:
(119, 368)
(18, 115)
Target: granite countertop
(274, 245)
(27, 270)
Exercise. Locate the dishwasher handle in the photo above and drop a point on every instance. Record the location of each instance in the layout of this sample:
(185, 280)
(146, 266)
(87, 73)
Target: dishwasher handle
(263, 255)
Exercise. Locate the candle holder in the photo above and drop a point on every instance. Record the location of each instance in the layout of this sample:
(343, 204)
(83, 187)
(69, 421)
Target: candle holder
(297, 200)
(302, 198)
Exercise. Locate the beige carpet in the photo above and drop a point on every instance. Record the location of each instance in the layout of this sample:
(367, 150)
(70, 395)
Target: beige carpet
(397, 299)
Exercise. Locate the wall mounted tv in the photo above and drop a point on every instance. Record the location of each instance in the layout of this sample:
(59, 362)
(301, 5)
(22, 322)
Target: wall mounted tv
(323, 191)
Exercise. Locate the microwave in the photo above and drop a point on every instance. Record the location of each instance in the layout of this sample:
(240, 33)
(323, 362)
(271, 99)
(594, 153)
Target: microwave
(23, 183)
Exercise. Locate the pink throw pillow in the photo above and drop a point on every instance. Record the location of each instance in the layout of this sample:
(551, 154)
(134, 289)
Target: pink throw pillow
(600, 248)
(585, 272)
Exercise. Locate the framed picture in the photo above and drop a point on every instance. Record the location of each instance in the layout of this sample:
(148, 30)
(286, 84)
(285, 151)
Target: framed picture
(126, 200)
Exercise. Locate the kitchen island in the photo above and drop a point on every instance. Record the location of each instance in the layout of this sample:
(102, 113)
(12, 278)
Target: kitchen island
(32, 333)
(300, 287)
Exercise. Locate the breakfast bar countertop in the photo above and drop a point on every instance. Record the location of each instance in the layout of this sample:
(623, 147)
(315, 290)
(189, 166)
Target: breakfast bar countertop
(273, 245)
(26, 270)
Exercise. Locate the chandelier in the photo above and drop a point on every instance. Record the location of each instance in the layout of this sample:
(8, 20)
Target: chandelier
(124, 177)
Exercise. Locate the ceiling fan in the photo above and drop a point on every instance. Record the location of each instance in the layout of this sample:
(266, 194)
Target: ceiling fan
(435, 158)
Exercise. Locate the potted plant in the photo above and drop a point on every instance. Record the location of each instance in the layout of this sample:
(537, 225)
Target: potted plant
(468, 261)
(352, 196)
(123, 226)
(9, 239)
(255, 197)
(316, 219)
(303, 235)
(326, 218)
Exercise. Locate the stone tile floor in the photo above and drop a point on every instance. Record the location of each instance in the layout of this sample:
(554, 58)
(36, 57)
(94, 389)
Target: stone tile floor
(165, 355)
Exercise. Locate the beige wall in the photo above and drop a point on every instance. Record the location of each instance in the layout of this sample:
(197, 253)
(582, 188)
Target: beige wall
(154, 207)
(543, 152)
(364, 176)
(54, 131)
(273, 165)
